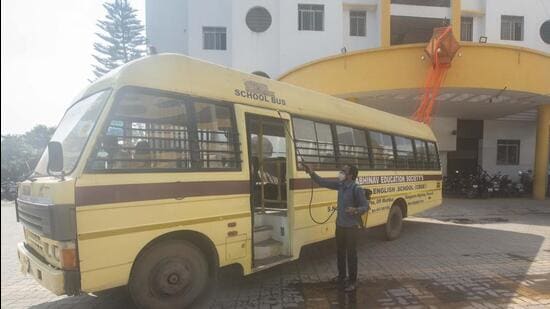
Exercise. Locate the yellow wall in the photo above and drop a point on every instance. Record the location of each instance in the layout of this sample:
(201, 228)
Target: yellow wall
(402, 67)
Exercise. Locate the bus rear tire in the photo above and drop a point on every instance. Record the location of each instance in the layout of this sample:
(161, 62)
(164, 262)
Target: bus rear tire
(170, 274)
(394, 224)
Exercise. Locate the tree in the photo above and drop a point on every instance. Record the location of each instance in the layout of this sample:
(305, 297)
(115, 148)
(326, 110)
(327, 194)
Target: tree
(122, 37)
(20, 153)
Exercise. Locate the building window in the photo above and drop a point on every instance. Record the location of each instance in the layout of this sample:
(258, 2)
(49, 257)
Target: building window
(311, 17)
(466, 28)
(314, 142)
(258, 19)
(411, 29)
(511, 28)
(507, 152)
(545, 32)
(214, 38)
(358, 23)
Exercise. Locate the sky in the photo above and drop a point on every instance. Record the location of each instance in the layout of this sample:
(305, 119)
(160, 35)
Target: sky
(47, 49)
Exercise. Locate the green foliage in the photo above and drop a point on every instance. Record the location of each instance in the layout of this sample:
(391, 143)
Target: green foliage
(122, 38)
(20, 153)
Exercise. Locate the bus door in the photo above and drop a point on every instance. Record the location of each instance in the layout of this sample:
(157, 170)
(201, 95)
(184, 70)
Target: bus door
(268, 159)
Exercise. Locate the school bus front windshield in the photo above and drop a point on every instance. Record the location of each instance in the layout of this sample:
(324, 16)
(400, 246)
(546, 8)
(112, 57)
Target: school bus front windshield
(73, 131)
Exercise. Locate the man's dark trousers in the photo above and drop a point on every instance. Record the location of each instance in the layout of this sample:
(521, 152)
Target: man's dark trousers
(346, 241)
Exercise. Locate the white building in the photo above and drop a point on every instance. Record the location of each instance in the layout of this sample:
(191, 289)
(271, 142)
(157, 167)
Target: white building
(274, 36)
(271, 37)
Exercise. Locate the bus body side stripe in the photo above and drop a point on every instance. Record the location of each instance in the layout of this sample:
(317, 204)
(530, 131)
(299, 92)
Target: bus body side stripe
(95, 195)
(305, 183)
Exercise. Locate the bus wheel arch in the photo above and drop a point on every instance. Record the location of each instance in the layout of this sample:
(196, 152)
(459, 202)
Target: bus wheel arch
(196, 238)
(394, 222)
(401, 203)
(187, 256)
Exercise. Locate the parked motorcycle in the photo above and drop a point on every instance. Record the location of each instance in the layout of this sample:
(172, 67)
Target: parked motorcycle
(526, 181)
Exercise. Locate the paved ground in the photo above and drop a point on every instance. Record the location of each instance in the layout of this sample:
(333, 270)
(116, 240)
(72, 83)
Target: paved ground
(467, 253)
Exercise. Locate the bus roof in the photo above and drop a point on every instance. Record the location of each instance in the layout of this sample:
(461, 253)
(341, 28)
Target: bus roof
(187, 75)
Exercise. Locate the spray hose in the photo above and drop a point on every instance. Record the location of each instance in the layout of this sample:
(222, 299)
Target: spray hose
(287, 130)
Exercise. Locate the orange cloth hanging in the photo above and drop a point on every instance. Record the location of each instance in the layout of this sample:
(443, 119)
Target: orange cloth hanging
(441, 49)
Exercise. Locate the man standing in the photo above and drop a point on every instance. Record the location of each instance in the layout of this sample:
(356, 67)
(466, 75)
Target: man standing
(352, 203)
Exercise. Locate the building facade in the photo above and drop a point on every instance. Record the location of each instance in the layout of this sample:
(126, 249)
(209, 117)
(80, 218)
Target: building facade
(488, 119)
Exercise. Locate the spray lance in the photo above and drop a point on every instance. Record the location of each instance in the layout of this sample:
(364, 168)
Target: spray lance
(287, 130)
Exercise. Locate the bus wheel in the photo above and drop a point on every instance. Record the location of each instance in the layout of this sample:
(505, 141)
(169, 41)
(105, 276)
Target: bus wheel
(170, 274)
(394, 223)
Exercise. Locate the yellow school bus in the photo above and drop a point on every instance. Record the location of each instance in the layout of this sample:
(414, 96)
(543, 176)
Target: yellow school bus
(169, 167)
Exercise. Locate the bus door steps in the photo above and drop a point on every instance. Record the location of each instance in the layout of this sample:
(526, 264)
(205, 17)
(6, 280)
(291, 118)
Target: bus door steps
(260, 264)
(267, 248)
(262, 232)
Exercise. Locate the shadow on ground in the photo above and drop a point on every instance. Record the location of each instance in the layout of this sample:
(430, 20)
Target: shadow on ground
(431, 264)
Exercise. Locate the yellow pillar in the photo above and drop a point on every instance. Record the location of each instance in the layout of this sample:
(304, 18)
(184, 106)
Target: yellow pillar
(456, 13)
(541, 152)
(385, 18)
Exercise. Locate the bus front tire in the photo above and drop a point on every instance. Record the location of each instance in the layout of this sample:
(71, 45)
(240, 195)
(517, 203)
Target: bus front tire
(170, 274)
(394, 223)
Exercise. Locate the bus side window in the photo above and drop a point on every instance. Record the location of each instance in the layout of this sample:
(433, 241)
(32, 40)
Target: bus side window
(433, 156)
(352, 147)
(382, 150)
(217, 136)
(421, 154)
(147, 132)
(314, 141)
(405, 153)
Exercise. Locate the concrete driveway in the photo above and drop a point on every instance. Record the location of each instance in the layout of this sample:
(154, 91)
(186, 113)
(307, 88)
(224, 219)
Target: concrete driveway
(468, 253)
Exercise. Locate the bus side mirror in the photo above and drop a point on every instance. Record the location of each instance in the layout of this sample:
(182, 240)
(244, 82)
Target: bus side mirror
(55, 157)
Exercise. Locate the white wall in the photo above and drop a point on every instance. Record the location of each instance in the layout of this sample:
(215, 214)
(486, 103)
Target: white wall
(176, 26)
(443, 128)
(247, 43)
(473, 5)
(535, 12)
(494, 130)
(166, 25)
(372, 38)
(299, 47)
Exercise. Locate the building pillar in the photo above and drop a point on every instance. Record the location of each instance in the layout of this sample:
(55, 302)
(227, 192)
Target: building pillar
(542, 149)
(385, 21)
(456, 14)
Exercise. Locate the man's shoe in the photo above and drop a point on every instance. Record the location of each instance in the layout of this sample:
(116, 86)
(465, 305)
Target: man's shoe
(350, 288)
(337, 280)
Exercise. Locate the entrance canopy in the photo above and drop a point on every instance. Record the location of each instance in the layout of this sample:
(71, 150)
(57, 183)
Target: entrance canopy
(485, 81)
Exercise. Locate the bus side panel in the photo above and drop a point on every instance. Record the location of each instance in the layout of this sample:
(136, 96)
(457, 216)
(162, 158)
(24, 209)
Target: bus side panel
(305, 230)
(418, 195)
(426, 198)
(110, 236)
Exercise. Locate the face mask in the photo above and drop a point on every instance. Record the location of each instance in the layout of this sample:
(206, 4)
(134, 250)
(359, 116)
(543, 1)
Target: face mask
(341, 176)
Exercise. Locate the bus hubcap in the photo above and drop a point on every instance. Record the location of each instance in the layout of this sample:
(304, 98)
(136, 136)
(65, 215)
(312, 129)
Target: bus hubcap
(172, 278)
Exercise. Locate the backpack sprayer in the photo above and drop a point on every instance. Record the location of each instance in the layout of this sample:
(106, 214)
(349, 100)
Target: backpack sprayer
(287, 130)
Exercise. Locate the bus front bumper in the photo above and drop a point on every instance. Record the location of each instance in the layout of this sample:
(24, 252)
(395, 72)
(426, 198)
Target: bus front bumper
(58, 281)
